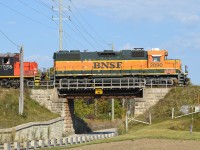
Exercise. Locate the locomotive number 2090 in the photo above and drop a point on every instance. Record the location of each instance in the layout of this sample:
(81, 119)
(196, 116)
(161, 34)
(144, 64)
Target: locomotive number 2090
(156, 65)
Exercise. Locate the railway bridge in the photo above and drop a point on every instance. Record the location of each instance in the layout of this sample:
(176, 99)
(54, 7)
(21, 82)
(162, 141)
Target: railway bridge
(61, 98)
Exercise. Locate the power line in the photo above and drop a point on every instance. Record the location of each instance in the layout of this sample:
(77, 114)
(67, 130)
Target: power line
(88, 23)
(71, 37)
(82, 35)
(9, 39)
(43, 4)
(78, 32)
(35, 9)
(85, 30)
(25, 16)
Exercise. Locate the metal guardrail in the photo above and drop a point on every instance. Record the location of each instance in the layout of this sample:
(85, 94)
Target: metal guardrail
(102, 83)
(65, 141)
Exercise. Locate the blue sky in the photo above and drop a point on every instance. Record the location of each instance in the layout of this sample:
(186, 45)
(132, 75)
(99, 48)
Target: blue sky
(164, 24)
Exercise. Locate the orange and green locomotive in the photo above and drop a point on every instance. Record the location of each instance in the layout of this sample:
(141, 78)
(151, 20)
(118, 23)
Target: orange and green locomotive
(151, 65)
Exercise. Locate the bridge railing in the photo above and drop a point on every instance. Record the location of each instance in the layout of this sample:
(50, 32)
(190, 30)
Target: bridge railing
(103, 83)
(41, 84)
(159, 82)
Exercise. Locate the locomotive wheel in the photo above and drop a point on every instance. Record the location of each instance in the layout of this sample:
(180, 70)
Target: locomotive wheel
(8, 85)
(1, 83)
(16, 86)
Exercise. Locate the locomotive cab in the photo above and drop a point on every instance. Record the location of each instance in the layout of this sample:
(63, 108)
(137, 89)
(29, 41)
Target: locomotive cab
(6, 64)
(156, 58)
(166, 68)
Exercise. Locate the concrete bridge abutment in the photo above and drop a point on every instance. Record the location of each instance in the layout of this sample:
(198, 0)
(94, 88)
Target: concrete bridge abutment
(151, 96)
(62, 106)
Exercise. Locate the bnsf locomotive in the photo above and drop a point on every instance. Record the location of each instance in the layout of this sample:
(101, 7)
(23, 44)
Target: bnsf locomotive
(150, 65)
(10, 70)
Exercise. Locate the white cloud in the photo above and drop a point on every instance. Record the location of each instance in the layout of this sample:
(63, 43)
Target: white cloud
(156, 10)
(188, 41)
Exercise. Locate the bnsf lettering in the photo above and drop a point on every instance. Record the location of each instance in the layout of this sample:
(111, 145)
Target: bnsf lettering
(108, 65)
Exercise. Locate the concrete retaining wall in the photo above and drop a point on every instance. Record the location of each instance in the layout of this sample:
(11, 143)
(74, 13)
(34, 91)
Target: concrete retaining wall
(151, 97)
(49, 99)
(34, 130)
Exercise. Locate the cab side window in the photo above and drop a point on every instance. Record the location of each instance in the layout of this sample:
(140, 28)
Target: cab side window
(5, 61)
(156, 58)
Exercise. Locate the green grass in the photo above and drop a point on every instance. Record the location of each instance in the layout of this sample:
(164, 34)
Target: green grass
(155, 131)
(9, 116)
(177, 97)
(163, 127)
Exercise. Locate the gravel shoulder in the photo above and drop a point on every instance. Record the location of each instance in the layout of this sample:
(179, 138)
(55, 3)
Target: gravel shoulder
(145, 144)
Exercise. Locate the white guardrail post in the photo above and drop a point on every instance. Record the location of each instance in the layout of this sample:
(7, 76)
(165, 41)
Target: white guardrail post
(7, 146)
(41, 143)
(35, 144)
(16, 145)
(47, 142)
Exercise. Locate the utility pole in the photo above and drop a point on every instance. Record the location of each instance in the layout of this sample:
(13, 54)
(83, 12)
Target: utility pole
(21, 98)
(113, 109)
(112, 45)
(95, 107)
(60, 23)
(60, 27)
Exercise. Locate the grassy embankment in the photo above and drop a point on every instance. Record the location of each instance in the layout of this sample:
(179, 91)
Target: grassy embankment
(9, 116)
(162, 124)
(163, 127)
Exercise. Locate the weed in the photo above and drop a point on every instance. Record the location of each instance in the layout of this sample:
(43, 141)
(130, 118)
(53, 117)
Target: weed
(121, 129)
